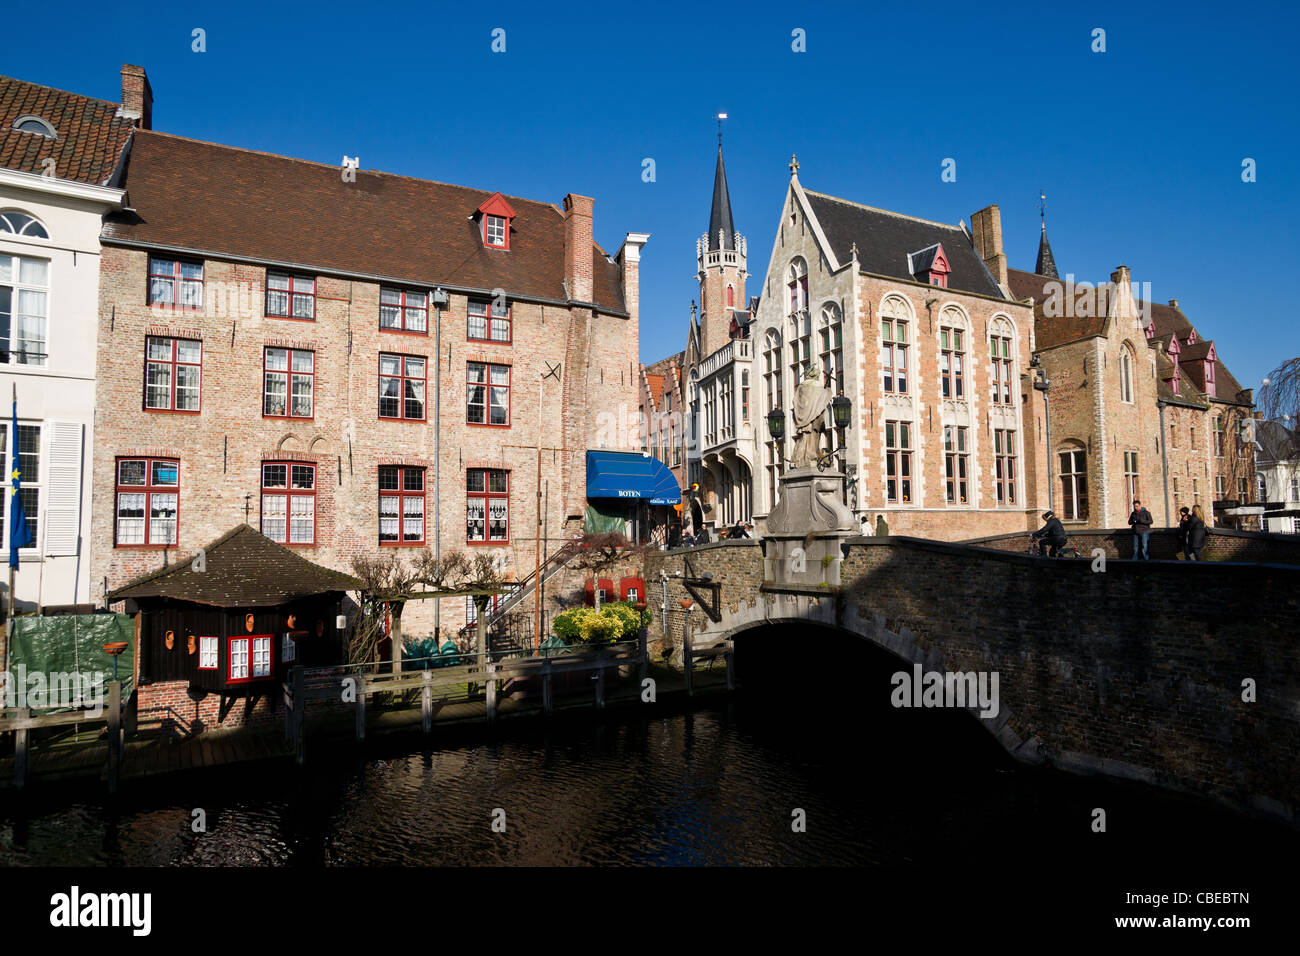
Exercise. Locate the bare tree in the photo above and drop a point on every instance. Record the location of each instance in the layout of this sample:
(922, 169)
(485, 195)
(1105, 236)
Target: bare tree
(1279, 401)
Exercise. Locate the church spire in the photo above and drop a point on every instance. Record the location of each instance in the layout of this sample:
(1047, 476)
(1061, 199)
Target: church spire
(1046, 265)
(722, 230)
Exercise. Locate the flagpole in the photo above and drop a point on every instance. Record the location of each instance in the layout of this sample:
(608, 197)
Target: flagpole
(9, 616)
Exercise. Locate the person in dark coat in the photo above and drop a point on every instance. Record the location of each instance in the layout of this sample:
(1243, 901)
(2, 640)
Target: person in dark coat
(1193, 533)
(1139, 519)
(882, 527)
(738, 531)
(1051, 535)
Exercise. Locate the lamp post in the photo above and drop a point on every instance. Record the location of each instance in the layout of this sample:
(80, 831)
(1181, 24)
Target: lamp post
(1042, 383)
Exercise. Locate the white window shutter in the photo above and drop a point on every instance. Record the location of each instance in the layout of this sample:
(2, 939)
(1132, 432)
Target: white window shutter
(63, 508)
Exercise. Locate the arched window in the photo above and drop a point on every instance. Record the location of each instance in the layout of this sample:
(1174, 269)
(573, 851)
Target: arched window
(34, 124)
(894, 325)
(831, 340)
(797, 283)
(21, 224)
(775, 399)
(800, 339)
(1126, 376)
(1001, 360)
(952, 352)
(1074, 482)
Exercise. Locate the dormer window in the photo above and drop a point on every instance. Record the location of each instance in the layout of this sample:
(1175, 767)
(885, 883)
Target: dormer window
(1209, 373)
(34, 124)
(930, 265)
(495, 216)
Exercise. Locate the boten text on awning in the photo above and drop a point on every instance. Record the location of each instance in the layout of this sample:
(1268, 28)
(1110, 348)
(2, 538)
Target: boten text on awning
(618, 474)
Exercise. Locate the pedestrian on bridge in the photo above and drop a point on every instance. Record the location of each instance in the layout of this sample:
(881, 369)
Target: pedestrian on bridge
(1140, 521)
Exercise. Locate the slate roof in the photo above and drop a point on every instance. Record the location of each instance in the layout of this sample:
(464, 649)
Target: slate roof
(1278, 443)
(244, 569)
(720, 221)
(921, 261)
(884, 240)
(1046, 265)
(1050, 331)
(90, 136)
(221, 200)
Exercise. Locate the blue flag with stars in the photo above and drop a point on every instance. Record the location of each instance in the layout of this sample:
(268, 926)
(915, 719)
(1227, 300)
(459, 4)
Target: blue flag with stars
(20, 536)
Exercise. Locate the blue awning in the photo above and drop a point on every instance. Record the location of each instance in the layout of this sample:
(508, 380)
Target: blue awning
(620, 474)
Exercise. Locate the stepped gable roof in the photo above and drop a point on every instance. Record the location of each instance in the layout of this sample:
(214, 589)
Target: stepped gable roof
(884, 240)
(89, 135)
(244, 569)
(220, 200)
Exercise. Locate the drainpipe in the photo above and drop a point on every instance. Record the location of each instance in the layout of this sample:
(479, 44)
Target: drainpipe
(439, 303)
(1164, 462)
(1042, 382)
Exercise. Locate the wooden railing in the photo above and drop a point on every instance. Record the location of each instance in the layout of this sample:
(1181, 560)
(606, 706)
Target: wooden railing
(353, 684)
(20, 721)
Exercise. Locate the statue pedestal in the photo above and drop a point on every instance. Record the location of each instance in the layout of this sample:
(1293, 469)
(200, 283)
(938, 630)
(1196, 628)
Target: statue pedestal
(806, 529)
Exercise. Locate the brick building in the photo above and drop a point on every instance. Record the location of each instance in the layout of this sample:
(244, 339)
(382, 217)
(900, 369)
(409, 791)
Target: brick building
(663, 426)
(914, 322)
(61, 159)
(1141, 405)
(272, 349)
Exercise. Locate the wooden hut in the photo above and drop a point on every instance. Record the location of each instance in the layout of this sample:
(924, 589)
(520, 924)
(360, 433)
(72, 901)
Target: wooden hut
(232, 620)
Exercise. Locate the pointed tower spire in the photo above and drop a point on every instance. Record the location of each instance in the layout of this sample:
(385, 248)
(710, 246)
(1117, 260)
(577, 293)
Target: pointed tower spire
(1046, 265)
(722, 229)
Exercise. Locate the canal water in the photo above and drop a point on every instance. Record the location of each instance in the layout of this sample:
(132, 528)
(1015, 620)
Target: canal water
(725, 783)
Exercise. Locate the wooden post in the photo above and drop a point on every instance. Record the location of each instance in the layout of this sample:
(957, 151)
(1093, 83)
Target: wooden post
(687, 656)
(22, 736)
(641, 651)
(600, 678)
(114, 733)
(731, 673)
(546, 686)
(426, 702)
(491, 691)
(361, 706)
(299, 714)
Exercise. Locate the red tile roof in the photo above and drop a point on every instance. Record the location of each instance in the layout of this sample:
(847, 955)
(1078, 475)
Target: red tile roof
(89, 136)
(1053, 330)
(656, 383)
(221, 200)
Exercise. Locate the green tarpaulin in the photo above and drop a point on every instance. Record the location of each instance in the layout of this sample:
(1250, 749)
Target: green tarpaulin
(605, 516)
(63, 658)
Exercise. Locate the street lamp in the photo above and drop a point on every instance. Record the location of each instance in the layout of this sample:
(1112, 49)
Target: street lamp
(776, 423)
(841, 409)
(1042, 383)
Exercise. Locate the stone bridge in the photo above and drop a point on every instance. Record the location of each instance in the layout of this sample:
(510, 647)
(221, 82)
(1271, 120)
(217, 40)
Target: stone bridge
(1137, 670)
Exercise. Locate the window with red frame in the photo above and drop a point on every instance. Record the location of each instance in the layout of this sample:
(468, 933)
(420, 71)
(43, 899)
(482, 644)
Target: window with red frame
(402, 380)
(893, 354)
(148, 496)
(956, 464)
(488, 322)
(249, 658)
(175, 283)
(289, 382)
(952, 357)
(173, 372)
(290, 297)
(487, 399)
(495, 231)
(402, 311)
(401, 505)
(1000, 369)
(898, 462)
(289, 502)
(487, 505)
(208, 647)
(1004, 465)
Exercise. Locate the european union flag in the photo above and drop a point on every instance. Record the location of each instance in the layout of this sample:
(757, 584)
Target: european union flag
(20, 536)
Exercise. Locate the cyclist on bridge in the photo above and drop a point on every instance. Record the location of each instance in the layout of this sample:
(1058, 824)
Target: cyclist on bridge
(1050, 535)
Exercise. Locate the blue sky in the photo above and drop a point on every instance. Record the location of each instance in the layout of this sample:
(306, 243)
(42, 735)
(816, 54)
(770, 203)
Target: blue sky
(1139, 148)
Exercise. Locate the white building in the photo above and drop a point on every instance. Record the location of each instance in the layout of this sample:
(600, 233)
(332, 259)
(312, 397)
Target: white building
(1278, 474)
(59, 156)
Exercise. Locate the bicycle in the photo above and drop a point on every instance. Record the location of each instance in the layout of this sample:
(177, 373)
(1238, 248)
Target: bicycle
(1067, 550)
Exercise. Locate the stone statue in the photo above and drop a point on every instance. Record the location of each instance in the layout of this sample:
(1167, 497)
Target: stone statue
(810, 401)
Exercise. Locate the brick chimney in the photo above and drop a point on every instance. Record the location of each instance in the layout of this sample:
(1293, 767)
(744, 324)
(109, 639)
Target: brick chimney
(578, 246)
(986, 231)
(137, 95)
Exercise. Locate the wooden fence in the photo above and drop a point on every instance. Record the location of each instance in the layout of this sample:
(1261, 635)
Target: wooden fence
(21, 721)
